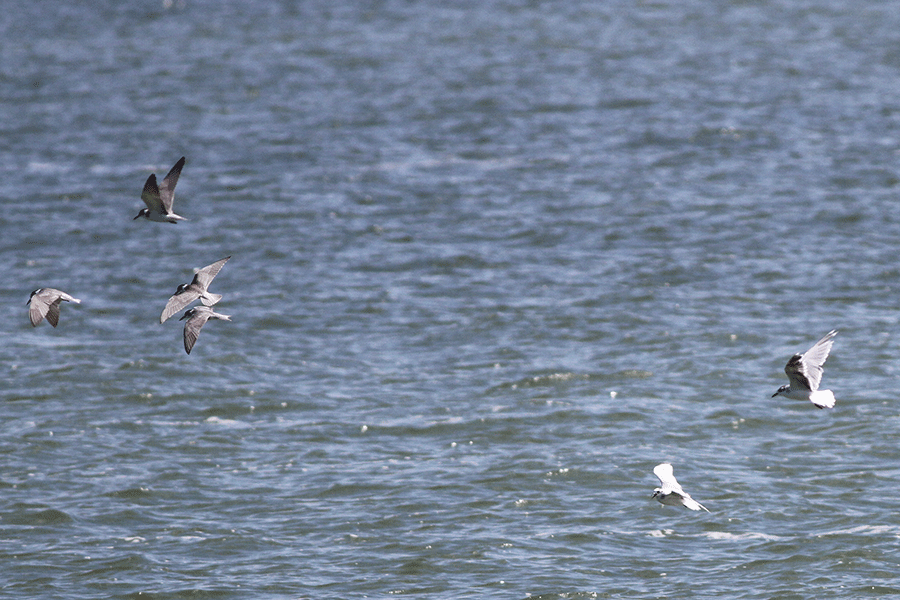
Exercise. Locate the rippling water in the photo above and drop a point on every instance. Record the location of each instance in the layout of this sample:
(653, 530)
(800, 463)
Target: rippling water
(491, 263)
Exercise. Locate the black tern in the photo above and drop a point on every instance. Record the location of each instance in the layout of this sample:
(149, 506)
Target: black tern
(44, 302)
(159, 199)
(197, 288)
(805, 373)
(196, 319)
(670, 492)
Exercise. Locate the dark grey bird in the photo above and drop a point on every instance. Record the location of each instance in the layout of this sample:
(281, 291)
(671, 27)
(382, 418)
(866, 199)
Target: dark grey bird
(196, 319)
(44, 302)
(196, 289)
(159, 198)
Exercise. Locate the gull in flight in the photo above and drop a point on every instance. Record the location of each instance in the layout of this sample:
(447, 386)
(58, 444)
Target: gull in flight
(670, 491)
(159, 199)
(44, 302)
(196, 319)
(197, 288)
(805, 373)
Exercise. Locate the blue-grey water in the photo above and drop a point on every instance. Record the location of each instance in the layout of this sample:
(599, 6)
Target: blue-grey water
(491, 263)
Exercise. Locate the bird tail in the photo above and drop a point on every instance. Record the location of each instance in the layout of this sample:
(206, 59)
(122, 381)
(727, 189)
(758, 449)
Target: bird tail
(822, 398)
(210, 299)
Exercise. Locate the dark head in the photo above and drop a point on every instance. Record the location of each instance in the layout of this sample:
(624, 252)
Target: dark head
(182, 288)
(782, 390)
(37, 291)
(188, 314)
(145, 212)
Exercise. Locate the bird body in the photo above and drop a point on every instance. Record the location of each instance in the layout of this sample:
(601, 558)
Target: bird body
(159, 198)
(44, 302)
(196, 319)
(197, 289)
(805, 374)
(670, 492)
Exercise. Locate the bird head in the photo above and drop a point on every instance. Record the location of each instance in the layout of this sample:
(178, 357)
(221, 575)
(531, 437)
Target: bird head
(145, 212)
(782, 390)
(188, 314)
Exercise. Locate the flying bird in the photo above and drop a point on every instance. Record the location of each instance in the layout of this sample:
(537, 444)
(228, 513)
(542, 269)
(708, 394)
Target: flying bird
(196, 319)
(805, 373)
(44, 302)
(159, 199)
(670, 491)
(196, 289)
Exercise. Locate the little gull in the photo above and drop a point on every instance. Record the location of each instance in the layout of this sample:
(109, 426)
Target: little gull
(196, 319)
(159, 199)
(197, 288)
(805, 372)
(670, 491)
(44, 302)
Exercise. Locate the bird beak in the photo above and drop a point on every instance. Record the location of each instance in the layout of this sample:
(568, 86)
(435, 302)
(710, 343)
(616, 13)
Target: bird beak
(775, 394)
(137, 217)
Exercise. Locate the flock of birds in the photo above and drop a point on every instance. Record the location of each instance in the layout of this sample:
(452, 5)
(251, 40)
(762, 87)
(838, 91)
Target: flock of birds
(159, 198)
(804, 372)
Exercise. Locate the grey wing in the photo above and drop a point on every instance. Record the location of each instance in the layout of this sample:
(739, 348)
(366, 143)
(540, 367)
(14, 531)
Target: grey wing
(192, 329)
(150, 195)
(813, 359)
(205, 275)
(53, 313)
(177, 302)
(167, 187)
(37, 309)
(798, 374)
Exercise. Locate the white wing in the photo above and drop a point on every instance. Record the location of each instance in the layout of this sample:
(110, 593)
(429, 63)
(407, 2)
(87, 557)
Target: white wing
(666, 477)
(805, 370)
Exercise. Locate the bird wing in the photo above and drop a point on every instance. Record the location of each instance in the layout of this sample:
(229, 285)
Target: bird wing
(693, 504)
(666, 476)
(177, 302)
(806, 369)
(192, 329)
(150, 195)
(204, 276)
(167, 188)
(37, 308)
(53, 312)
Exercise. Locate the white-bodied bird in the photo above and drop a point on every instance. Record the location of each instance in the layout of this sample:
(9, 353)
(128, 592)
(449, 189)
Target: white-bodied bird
(44, 302)
(196, 319)
(805, 373)
(159, 198)
(670, 491)
(196, 289)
